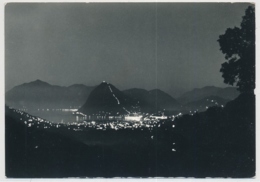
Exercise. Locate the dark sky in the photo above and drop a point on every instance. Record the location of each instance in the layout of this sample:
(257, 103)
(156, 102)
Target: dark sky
(170, 46)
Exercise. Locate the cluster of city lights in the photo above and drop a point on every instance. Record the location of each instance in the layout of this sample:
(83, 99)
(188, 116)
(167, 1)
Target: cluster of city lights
(37, 122)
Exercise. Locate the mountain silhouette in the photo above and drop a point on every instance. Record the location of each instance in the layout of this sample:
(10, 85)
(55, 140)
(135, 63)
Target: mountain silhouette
(40, 94)
(203, 104)
(197, 94)
(106, 99)
(153, 100)
(219, 135)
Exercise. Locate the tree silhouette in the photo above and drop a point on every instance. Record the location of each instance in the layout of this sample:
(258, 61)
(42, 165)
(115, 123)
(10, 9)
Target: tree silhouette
(238, 45)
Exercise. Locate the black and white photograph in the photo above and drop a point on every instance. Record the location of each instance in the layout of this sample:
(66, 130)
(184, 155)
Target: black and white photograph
(129, 90)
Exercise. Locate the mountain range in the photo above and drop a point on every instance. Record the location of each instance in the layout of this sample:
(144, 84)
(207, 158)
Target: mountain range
(107, 98)
(228, 93)
(153, 100)
(39, 94)
(205, 103)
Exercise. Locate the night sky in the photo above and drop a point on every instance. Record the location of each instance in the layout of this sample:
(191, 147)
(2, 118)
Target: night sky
(170, 46)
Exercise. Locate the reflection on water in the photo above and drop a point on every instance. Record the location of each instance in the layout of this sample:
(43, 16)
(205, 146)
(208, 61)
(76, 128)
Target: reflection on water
(57, 116)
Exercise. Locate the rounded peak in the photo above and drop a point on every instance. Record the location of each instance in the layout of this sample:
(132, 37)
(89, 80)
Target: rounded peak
(77, 85)
(156, 90)
(105, 85)
(38, 82)
(210, 86)
(104, 82)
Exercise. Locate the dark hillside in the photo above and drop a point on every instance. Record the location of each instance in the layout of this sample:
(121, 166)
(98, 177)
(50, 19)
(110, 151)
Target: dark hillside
(106, 99)
(33, 152)
(219, 142)
(222, 141)
(153, 101)
(203, 104)
(196, 94)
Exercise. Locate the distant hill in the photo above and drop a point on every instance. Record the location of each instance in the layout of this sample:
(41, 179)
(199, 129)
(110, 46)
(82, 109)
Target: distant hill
(106, 99)
(39, 94)
(153, 100)
(197, 94)
(203, 104)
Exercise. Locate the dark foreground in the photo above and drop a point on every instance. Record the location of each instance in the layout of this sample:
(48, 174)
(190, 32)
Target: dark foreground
(217, 143)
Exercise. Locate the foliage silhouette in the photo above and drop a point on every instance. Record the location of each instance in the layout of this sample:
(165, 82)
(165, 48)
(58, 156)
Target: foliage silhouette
(238, 45)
